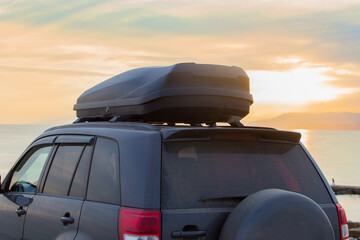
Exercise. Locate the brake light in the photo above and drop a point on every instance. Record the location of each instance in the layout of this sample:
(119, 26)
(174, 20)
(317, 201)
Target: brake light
(234, 138)
(344, 229)
(139, 224)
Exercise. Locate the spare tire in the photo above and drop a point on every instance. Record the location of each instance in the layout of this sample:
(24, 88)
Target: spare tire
(275, 214)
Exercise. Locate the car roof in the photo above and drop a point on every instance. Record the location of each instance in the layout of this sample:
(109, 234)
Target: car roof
(169, 133)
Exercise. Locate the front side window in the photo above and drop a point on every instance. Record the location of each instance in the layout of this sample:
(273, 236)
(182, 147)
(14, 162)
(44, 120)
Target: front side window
(26, 175)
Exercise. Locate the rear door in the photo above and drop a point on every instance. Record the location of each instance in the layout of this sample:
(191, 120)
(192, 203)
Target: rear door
(202, 181)
(55, 211)
(99, 215)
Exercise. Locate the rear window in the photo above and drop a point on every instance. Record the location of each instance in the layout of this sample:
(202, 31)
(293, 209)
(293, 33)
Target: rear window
(221, 173)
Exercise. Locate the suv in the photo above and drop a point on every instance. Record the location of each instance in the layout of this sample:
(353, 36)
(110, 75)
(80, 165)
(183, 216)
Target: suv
(148, 160)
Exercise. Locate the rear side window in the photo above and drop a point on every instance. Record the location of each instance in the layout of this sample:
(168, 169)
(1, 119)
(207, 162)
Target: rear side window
(221, 173)
(79, 183)
(62, 169)
(104, 183)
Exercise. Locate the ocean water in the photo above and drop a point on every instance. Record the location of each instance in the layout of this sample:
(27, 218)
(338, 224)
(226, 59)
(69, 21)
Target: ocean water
(338, 155)
(14, 139)
(336, 152)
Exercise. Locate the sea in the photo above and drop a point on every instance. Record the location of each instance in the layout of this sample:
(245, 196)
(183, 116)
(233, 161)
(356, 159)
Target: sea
(336, 152)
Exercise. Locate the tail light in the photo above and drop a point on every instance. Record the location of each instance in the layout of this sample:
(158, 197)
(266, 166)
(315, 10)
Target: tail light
(344, 229)
(139, 224)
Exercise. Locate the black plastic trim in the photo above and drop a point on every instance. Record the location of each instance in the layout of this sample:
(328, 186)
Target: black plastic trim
(75, 139)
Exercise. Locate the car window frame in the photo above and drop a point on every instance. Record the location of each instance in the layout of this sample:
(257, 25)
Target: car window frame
(119, 169)
(46, 178)
(91, 149)
(70, 140)
(40, 143)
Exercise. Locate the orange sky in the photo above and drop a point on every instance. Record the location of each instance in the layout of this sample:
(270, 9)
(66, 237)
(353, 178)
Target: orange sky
(301, 56)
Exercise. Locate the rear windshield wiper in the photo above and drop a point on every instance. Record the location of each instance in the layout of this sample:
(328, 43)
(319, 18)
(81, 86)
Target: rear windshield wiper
(224, 198)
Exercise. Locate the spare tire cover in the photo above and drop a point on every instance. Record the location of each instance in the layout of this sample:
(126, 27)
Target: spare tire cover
(277, 214)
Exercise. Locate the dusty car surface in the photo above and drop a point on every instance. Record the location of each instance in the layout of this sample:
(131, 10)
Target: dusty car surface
(160, 153)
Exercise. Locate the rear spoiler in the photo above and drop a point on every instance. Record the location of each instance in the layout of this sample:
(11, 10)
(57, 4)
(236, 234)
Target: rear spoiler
(230, 134)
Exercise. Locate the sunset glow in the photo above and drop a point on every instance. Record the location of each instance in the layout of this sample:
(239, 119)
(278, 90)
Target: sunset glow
(301, 56)
(296, 86)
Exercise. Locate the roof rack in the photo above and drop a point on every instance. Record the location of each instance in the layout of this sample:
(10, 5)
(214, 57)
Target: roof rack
(234, 124)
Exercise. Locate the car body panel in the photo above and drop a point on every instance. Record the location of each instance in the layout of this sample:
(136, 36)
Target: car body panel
(43, 219)
(98, 221)
(11, 224)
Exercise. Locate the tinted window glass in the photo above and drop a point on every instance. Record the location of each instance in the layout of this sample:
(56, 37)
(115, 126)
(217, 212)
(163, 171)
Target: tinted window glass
(202, 174)
(78, 186)
(62, 169)
(27, 173)
(104, 175)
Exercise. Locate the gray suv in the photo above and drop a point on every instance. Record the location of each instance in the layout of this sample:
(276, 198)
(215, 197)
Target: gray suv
(147, 159)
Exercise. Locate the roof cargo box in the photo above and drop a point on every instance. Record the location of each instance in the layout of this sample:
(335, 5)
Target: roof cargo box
(184, 92)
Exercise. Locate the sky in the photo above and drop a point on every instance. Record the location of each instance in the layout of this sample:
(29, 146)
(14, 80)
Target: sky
(301, 56)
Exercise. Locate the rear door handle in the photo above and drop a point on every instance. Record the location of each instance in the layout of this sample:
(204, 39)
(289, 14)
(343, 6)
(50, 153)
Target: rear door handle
(188, 234)
(67, 220)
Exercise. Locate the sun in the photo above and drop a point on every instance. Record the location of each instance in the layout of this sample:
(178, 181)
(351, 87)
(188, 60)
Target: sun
(297, 86)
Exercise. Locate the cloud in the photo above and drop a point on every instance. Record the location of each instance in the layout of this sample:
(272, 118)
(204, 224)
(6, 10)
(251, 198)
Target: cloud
(346, 103)
(346, 79)
(63, 72)
(70, 46)
(42, 12)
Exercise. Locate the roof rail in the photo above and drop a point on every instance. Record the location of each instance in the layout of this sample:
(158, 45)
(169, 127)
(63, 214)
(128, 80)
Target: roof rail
(90, 119)
(234, 124)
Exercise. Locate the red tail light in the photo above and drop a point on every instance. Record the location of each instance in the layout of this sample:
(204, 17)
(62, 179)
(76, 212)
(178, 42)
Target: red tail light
(344, 229)
(139, 224)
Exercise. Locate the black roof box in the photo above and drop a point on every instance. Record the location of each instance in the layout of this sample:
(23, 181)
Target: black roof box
(184, 92)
